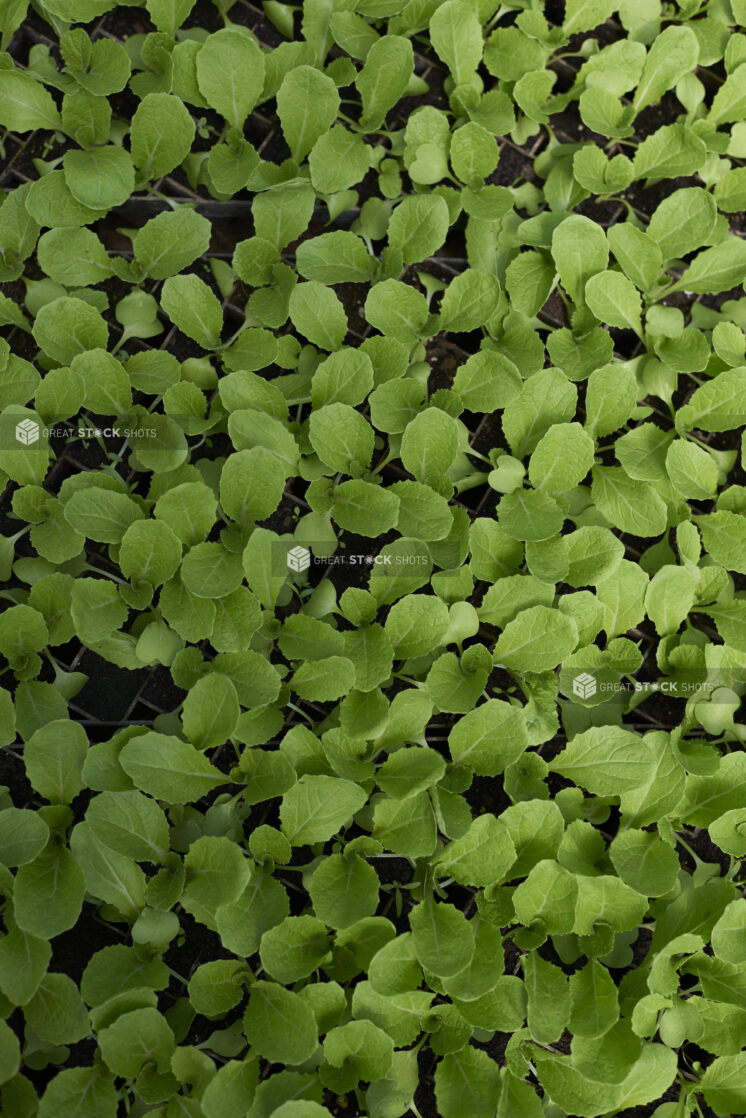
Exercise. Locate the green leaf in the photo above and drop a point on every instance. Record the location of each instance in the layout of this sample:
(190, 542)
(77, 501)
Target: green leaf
(683, 221)
(131, 824)
(537, 640)
(23, 835)
(729, 102)
(49, 893)
(718, 404)
(63, 1093)
(606, 760)
(580, 251)
(68, 326)
(669, 597)
(317, 313)
(489, 738)
(469, 300)
(26, 105)
(467, 1082)
(419, 224)
(482, 856)
(562, 458)
(442, 938)
(192, 306)
(582, 15)
(724, 537)
(168, 15)
(673, 54)
(279, 1025)
(416, 624)
(714, 270)
(294, 949)
(161, 135)
(614, 300)
(317, 807)
(171, 241)
(723, 1084)
(364, 508)
(54, 757)
(56, 1012)
(210, 711)
(594, 1001)
(99, 179)
(456, 34)
(383, 79)
(307, 105)
(169, 769)
(73, 257)
(230, 74)
(341, 437)
(344, 889)
(338, 257)
(137, 1038)
(328, 678)
(632, 506)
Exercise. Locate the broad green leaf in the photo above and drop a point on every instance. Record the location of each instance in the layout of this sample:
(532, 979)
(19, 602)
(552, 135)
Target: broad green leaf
(192, 306)
(673, 54)
(469, 300)
(131, 824)
(631, 506)
(26, 105)
(317, 807)
(607, 761)
(317, 313)
(67, 326)
(482, 856)
(279, 1025)
(718, 404)
(230, 73)
(307, 105)
(537, 640)
(442, 938)
(169, 769)
(171, 241)
(388, 67)
(73, 257)
(137, 1038)
(724, 538)
(715, 269)
(99, 179)
(582, 15)
(48, 893)
(580, 251)
(669, 597)
(161, 135)
(364, 508)
(614, 300)
(294, 949)
(419, 224)
(54, 757)
(210, 711)
(489, 738)
(456, 34)
(467, 1082)
(683, 221)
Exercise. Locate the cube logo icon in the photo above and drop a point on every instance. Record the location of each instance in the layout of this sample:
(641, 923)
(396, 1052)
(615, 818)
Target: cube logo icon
(584, 686)
(298, 559)
(27, 432)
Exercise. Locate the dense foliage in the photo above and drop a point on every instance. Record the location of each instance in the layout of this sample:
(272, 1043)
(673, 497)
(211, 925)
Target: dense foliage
(371, 391)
